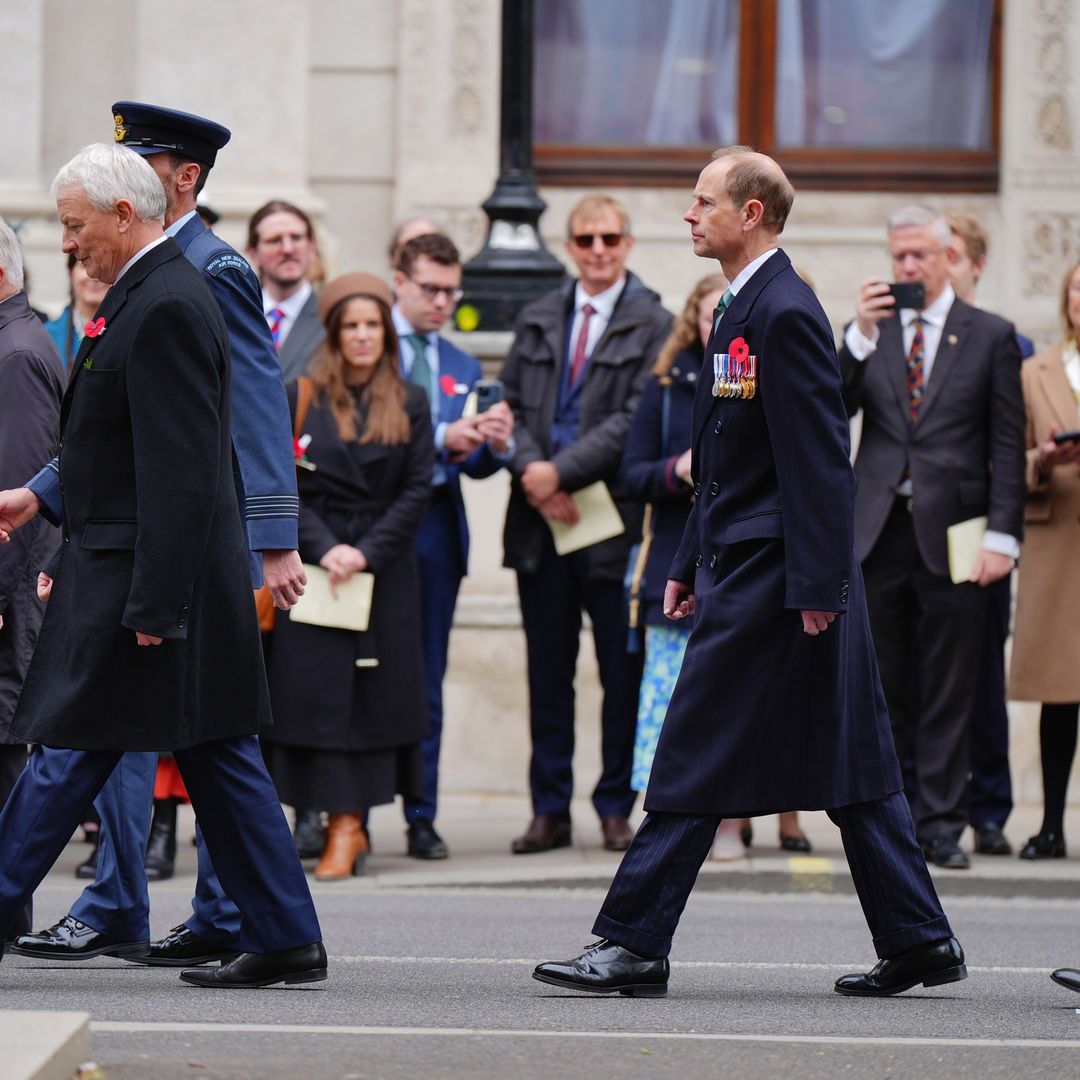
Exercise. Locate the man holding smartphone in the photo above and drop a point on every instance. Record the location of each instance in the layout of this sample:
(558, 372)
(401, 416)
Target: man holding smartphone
(427, 285)
(942, 442)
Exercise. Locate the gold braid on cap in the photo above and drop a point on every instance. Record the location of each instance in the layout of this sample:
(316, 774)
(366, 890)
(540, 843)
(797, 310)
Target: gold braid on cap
(119, 131)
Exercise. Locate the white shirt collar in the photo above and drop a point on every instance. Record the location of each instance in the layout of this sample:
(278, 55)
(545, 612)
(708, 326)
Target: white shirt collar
(179, 223)
(750, 269)
(291, 305)
(404, 328)
(604, 302)
(935, 314)
(139, 254)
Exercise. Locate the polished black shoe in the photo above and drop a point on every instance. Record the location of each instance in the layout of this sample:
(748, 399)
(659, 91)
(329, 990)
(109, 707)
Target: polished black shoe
(70, 939)
(990, 840)
(1044, 845)
(607, 968)
(309, 834)
(179, 948)
(250, 970)
(87, 869)
(799, 844)
(161, 843)
(932, 965)
(424, 842)
(1069, 977)
(945, 852)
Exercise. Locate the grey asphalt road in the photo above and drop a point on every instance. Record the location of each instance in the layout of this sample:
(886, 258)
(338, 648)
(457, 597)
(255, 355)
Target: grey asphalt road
(433, 981)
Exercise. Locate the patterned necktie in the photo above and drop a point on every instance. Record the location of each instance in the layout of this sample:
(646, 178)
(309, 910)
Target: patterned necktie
(725, 303)
(915, 373)
(420, 372)
(275, 317)
(577, 363)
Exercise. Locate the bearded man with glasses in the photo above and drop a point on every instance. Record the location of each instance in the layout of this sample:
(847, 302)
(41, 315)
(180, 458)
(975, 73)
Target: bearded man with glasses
(578, 364)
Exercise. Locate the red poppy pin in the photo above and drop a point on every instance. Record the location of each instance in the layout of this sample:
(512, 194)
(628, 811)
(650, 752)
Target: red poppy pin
(451, 388)
(95, 327)
(738, 349)
(299, 447)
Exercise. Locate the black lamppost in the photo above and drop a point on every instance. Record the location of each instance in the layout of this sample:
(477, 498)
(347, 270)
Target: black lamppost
(514, 266)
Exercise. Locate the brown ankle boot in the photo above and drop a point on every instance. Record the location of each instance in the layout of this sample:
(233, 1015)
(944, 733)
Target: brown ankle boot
(346, 849)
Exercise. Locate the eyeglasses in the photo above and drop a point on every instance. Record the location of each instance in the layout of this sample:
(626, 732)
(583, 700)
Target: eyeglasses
(919, 256)
(433, 292)
(608, 239)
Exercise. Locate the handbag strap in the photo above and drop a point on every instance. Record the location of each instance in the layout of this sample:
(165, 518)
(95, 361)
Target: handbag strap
(305, 388)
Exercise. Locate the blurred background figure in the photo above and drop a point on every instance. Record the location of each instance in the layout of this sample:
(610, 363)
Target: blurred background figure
(350, 708)
(1046, 638)
(407, 230)
(67, 328)
(656, 470)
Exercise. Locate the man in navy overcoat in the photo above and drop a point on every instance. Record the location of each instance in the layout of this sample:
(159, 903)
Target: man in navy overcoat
(778, 705)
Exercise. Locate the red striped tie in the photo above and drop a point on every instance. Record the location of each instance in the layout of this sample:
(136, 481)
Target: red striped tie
(915, 381)
(578, 362)
(275, 317)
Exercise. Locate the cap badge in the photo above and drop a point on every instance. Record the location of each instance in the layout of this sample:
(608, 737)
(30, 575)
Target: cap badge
(119, 131)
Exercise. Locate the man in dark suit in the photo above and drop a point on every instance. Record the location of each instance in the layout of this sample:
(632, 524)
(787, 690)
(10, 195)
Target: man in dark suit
(427, 285)
(31, 386)
(281, 245)
(150, 642)
(113, 913)
(942, 442)
(778, 703)
(573, 377)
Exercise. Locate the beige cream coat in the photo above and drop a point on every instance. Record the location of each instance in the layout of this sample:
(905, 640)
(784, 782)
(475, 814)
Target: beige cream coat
(1046, 635)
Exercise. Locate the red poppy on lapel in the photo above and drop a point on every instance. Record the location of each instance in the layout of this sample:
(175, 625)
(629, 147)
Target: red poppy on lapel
(95, 327)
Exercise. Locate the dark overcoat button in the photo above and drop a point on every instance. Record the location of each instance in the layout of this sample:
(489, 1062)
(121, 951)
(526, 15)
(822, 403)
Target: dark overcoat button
(714, 488)
(712, 562)
(698, 561)
(718, 427)
(697, 489)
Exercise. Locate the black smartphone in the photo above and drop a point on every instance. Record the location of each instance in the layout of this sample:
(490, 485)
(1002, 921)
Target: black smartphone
(908, 294)
(488, 392)
(1063, 437)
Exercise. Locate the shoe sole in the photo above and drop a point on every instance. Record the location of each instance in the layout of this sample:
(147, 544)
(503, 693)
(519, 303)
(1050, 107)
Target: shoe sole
(312, 975)
(117, 951)
(936, 978)
(189, 961)
(649, 990)
(1062, 982)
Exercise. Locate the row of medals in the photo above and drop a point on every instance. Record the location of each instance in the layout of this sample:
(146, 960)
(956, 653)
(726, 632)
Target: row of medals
(742, 385)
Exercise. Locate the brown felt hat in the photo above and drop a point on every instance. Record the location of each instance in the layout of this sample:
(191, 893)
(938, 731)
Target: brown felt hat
(358, 284)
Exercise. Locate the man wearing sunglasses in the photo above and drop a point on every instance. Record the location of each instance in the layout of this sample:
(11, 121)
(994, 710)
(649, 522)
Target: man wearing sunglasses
(573, 377)
(427, 284)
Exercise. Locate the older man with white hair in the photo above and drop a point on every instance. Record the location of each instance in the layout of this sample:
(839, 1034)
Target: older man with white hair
(150, 640)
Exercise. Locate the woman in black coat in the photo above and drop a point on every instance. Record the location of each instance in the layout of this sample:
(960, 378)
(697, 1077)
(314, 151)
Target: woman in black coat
(350, 708)
(656, 470)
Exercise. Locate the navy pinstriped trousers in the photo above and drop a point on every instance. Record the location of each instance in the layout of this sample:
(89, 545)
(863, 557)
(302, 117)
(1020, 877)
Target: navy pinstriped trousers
(654, 880)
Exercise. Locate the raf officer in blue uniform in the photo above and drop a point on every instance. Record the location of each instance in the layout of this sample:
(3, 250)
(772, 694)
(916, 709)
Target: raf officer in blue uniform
(778, 704)
(112, 914)
(427, 284)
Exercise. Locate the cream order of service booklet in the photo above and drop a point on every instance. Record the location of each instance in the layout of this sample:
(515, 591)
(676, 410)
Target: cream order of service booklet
(598, 519)
(965, 542)
(350, 609)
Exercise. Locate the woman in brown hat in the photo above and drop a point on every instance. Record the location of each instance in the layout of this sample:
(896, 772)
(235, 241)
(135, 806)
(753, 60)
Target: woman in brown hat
(349, 706)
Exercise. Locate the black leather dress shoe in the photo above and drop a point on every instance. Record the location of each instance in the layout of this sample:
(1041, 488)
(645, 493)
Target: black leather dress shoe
(1044, 845)
(70, 939)
(87, 869)
(544, 833)
(424, 842)
(945, 852)
(250, 970)
(309, 834)
(990, 840)
(797, 844)
(1069, 977)
(607, 968)
(179, 948)
(932, 965)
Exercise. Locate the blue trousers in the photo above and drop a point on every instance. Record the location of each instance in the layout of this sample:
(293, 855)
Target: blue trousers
(246, 833)
(116, 903)
(441, 564)
(657, 873)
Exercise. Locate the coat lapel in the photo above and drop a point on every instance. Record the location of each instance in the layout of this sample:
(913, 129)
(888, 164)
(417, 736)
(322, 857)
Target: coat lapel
(890, 348)
(953, 340)
(1055, 388)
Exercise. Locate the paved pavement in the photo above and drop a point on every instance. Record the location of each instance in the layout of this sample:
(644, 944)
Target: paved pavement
(431, 961)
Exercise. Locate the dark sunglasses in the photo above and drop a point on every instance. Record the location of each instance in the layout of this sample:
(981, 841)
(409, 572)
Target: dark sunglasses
(608, 239)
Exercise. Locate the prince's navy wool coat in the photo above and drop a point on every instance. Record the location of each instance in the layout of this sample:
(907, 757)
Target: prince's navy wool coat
(764, 717)
(151, 535)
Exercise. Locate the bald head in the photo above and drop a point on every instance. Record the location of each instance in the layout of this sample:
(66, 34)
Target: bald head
(750, 175)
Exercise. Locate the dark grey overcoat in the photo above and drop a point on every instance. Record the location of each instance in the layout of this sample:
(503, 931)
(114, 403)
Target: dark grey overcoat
(152, 538)
(31, 386)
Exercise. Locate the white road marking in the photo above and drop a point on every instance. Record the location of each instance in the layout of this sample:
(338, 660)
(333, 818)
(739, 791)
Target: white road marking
(137, 1027)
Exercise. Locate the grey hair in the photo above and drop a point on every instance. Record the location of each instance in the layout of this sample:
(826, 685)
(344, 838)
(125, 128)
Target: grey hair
(922, 217)
(108, 173)
(11, 258)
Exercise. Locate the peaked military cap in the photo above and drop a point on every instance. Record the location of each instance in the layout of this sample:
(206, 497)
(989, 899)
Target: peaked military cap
(150, 129)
